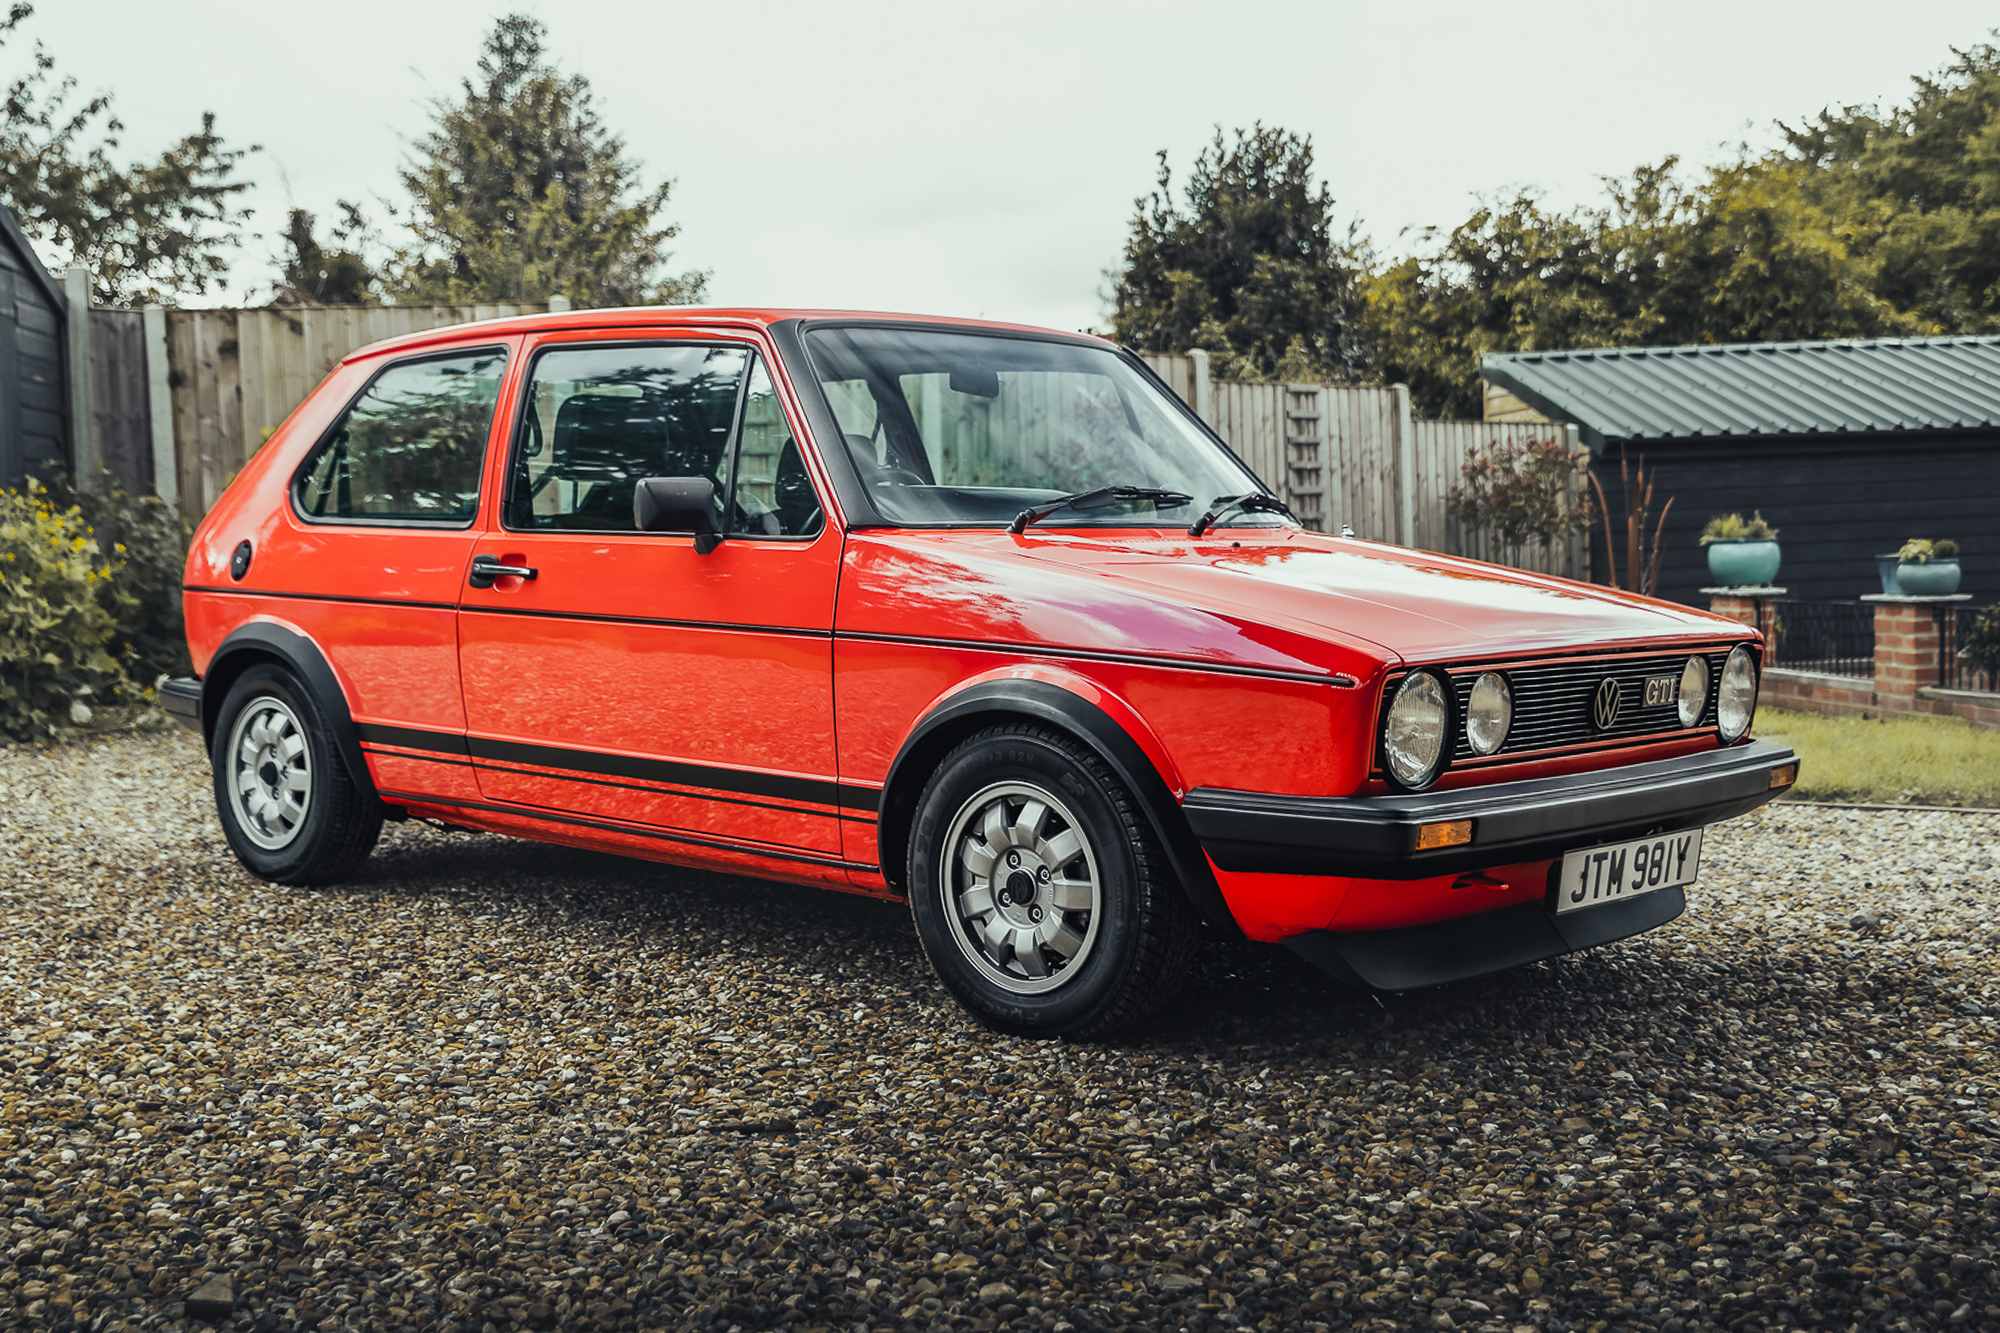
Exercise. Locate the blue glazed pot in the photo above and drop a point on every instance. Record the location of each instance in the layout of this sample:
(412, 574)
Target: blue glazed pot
(1885, 565)
(1936, 578)
(1743, 564)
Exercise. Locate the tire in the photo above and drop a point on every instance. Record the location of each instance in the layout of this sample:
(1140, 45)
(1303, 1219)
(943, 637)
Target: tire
(288, 807)
(1039, 890)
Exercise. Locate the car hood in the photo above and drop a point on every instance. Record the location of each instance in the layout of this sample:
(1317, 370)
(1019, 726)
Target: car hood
(1417, 605)
(1273, 598)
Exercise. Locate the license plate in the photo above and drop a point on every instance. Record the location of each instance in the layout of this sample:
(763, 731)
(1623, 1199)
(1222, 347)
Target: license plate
(1662, 690)
(1628, 869)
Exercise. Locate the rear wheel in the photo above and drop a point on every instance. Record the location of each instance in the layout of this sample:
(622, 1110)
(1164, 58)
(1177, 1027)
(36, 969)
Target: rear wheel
(287, 805)
(1039, 890)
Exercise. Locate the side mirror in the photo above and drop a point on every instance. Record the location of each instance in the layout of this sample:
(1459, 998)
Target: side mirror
(677, 504)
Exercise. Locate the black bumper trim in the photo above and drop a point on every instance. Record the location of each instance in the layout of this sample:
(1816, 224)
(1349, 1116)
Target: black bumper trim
(1473, 946)
(181, 698)
(1533, 820)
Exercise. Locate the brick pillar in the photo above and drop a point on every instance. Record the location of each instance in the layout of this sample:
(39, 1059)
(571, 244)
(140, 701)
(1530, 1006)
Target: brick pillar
(1742, 610)
(1759, 610)
(1906, 652)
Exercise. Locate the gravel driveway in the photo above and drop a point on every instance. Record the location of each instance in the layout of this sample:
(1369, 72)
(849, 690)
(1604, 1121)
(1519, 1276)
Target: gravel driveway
(498, 1085)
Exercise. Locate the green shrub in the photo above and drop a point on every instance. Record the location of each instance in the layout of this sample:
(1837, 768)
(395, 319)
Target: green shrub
(1917, 551)
(55, 619)
(146, 541)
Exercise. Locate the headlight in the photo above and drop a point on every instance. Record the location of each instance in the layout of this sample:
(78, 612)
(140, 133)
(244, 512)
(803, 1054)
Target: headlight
(1737, 702)
(1414, 731)
(1694, 690)
(1489, 713)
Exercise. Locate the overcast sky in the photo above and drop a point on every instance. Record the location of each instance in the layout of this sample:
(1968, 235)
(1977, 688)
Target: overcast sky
(983, 159)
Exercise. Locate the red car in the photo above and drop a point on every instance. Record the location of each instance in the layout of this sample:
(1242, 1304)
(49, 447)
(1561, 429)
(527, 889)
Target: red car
(973, 616)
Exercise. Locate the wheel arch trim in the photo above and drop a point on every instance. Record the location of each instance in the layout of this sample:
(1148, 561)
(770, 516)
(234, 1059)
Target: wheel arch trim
(265, 640)
(1013, 696)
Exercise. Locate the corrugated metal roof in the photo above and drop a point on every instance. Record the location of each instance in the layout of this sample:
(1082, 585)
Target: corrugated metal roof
(1795, 388)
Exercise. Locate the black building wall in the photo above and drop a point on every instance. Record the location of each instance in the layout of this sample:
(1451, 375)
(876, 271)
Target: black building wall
(1836, 501)
(33, 439)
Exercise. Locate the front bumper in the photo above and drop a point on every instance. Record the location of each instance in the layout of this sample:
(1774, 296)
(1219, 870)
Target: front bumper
(1512, 822)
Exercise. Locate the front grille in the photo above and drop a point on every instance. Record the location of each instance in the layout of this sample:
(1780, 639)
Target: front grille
(1552, 701)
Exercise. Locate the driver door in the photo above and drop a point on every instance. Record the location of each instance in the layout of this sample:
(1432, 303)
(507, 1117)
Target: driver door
(634, 679)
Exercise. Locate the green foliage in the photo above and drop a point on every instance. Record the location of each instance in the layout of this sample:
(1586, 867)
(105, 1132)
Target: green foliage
(1248, 268)
(1944, 549)
(150, 231)
(1736, 528)
(1524, 492)
(520, 193)
(54, 621)
(316, 274)
(145, 541)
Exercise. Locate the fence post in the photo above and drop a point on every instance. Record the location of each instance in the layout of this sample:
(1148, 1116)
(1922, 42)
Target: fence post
(82, 429)
(1579, 541)
(1203, 386)
(1405, 445)
(160, 406)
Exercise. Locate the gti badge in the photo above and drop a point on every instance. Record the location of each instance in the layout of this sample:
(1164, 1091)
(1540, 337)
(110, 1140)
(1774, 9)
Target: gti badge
(1604, 707)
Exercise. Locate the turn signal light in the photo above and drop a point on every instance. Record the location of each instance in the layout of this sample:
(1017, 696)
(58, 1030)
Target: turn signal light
(1784, 775)
(1454, 834)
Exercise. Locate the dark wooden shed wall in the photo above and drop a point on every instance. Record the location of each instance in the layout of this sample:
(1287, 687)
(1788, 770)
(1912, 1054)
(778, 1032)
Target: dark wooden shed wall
(33, 439)
(1836, 501)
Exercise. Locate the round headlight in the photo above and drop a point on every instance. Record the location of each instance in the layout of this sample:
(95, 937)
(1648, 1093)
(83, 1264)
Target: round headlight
(1694, 690)
(1737, 701)
(1413, 733)
(1488, 713)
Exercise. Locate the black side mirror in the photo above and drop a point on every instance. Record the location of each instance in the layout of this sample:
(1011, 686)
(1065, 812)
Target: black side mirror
(677, 504)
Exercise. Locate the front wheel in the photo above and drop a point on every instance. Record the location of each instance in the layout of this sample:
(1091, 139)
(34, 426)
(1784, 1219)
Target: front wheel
(287, 805)
(1039, 890)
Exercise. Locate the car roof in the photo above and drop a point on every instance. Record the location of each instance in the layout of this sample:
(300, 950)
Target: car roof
(656, 316)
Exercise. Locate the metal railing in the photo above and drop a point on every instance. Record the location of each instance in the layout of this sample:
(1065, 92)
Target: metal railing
(1835, 638)
(1968, 636)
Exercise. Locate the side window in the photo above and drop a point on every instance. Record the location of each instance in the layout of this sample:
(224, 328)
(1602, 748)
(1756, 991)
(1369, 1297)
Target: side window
(599, 419)
(410, 448)
(774, 496)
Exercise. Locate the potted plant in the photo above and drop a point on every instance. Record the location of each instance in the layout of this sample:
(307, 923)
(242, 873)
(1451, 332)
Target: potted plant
(1927, 569)
(1742, 552)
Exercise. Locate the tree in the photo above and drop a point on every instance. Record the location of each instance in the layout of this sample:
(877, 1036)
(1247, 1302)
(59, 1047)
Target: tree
(147, 232)
(519, 193)
(1249, 267)
(316, 275)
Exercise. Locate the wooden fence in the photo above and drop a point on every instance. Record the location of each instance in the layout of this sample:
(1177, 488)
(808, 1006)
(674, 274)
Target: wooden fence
(1356, 456)
(180, 399)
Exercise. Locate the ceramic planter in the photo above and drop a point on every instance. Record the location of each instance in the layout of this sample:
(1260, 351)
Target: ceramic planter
(1885, 565)
(1933, 578)
(1743, 564)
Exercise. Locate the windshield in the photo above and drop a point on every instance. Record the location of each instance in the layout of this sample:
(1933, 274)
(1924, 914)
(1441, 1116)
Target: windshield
(951, 427)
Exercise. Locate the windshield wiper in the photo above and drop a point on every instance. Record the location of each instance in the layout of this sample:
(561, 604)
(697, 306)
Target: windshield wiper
(1098, 499)
(1252, 502)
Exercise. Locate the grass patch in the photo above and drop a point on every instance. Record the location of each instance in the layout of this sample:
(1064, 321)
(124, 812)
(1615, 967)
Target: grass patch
(1918, 760)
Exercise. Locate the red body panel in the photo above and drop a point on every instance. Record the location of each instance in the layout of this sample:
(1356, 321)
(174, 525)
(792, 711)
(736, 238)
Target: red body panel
(741, 709)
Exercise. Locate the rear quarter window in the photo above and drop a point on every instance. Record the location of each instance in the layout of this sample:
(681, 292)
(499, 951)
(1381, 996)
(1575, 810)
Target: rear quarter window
(411, 447)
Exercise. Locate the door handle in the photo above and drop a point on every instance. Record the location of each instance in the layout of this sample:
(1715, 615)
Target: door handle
(486, 568)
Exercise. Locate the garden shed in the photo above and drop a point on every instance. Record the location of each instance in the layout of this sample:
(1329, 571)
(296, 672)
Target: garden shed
(1847, 447)
(34, 435)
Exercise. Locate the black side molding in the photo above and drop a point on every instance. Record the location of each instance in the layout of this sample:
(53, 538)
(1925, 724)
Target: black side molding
(1376, 837)
(1473, 946)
